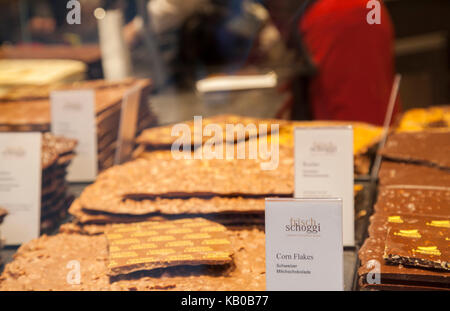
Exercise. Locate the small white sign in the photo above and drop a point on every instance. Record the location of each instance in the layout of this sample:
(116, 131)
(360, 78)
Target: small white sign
(73, 116)
(324, 169)
(304, 250)
(20, 185)
(128, 124)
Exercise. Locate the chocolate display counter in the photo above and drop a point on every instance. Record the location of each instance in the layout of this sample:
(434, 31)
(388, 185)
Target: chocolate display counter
(156, 223)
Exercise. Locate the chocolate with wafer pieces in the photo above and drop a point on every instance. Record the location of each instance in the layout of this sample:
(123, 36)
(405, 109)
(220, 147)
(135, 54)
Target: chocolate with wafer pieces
(151, 245)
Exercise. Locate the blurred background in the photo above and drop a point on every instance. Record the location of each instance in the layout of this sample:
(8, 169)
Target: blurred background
(262, 58)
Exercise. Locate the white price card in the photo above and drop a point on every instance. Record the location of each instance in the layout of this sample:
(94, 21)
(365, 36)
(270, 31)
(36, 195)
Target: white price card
(128, 124)
(20, 185)
(73, 116)
(324, 169)
(304, 250)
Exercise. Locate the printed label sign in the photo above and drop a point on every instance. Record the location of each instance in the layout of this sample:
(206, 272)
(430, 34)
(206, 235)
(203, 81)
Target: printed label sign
(304, 250)
(20, 185)
(324, 169)
(73, 116)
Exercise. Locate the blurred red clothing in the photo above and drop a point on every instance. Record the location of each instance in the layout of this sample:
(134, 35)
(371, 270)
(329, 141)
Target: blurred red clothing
(355, 61)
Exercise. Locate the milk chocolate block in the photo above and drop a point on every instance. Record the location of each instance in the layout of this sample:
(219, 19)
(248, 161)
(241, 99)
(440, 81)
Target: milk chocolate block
(424, 246)
(381, 222)
(161, 244)
(393, 173)
(414, 201)
(430, 148)
(372, 252)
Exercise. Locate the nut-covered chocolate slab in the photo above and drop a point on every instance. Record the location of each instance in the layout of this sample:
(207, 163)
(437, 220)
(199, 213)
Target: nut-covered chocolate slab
(239, 207)
(172, 179)
(393, 173)
(162, 136)
(432, 148)
(422, 246)
(414, 201)
(160, 244)
(42, 265)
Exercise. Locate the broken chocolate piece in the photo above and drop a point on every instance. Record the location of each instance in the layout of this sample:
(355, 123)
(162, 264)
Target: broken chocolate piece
(413, 200)
(393, 173)
(423, 246)
(430, 148)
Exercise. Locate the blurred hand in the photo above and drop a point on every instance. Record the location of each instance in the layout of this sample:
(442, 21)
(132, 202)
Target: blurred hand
(131, 34)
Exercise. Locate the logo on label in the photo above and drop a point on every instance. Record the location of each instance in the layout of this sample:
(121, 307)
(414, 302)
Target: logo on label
(323, 147)
(310, 225)
(74, 14)
(14, 152)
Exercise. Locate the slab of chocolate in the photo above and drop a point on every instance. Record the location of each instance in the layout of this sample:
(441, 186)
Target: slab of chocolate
(173, 179)
(424, 246)
(373, 250)
(152, 245)
(393, 173)
(42, 265)
(400, 287)
(241, 208)
(162, 136)
(381, 222)
(413, 200)
(432, 148)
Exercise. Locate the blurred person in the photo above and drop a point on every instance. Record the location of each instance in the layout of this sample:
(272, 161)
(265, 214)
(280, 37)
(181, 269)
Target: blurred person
(354, 60)
(164, 16)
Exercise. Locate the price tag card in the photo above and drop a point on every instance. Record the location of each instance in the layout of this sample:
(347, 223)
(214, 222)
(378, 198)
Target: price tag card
(20, 185)
(324, 169)
(73, 116)
(304, 250)
(128, 124)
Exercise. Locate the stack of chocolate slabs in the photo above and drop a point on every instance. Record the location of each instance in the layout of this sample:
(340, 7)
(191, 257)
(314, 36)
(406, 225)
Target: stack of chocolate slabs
(57, 154)
(32, 113)
(229, 192)
(409, 235)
